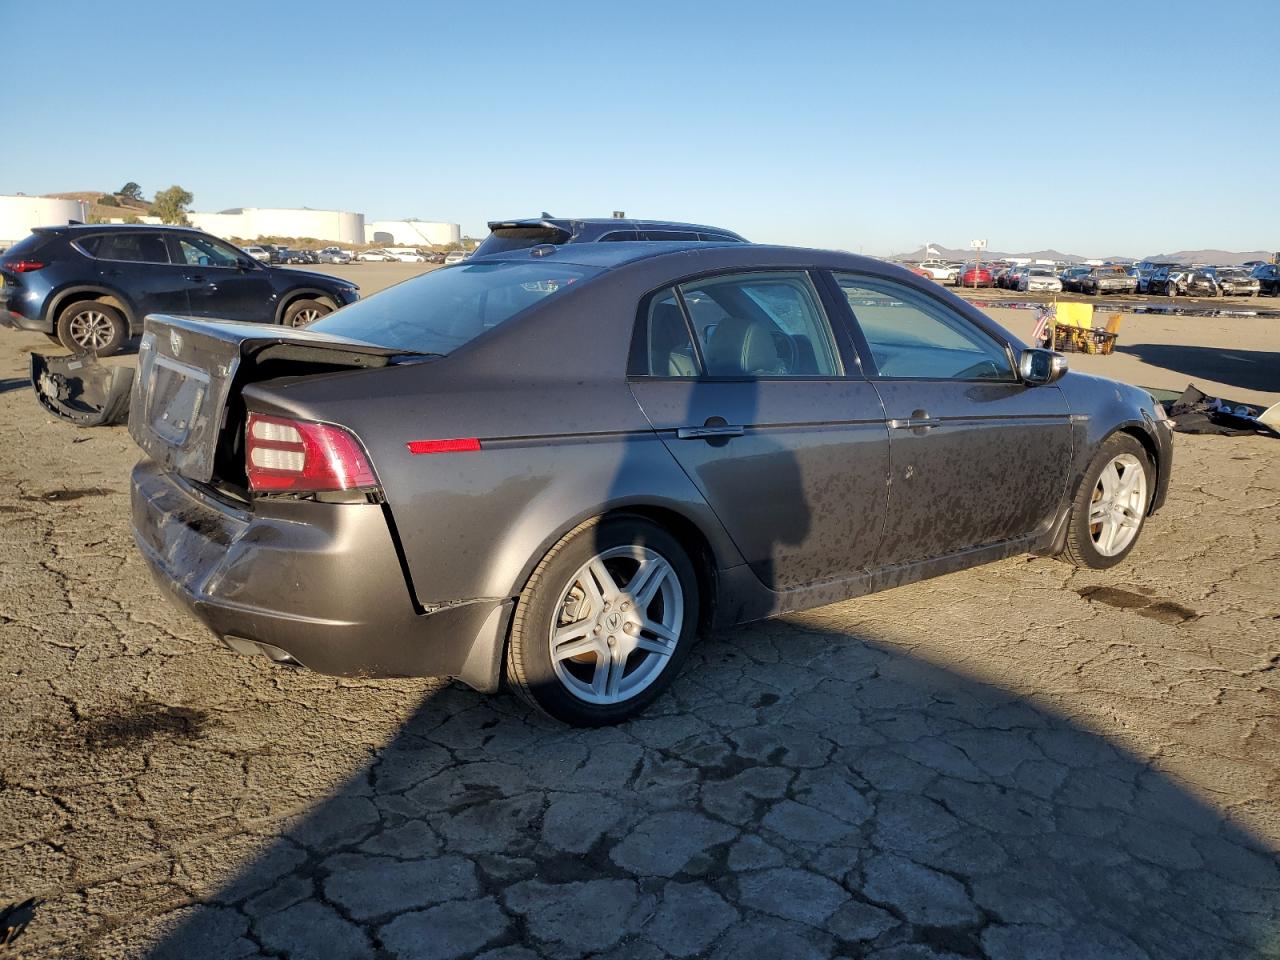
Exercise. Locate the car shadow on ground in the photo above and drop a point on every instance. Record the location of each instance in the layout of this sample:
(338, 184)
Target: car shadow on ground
(800, 792)
(1246, 369)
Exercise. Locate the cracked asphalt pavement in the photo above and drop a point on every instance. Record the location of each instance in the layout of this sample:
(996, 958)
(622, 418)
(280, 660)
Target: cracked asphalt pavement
(1019, 761)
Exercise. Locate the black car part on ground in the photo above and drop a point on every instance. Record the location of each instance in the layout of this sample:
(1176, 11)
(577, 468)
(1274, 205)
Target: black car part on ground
(81, 390)
(1196, 412)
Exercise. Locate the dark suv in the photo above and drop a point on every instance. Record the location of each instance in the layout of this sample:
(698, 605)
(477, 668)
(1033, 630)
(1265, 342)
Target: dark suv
(507, 235)
(89, 286)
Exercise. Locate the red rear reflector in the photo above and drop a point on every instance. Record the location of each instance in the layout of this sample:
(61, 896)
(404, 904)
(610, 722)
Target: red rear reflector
(24, 266)
(457, 445)
(302, 456)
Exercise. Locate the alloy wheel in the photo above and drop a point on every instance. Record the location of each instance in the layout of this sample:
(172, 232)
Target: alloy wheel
(91, 329)
(617, 624)
(304, 317)
(1118, 504)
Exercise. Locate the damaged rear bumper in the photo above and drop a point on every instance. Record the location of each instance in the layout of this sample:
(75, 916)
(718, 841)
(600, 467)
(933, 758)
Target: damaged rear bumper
(81, 390)
(312, 583)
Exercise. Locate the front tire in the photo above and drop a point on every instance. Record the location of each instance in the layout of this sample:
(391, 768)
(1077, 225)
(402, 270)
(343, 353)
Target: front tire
(92, 327)
(1111, 505)
(604, 623)
(302, 312)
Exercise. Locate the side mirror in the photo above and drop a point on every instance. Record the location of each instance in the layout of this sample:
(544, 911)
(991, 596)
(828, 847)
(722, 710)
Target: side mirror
(1037, 367)
(244, 263)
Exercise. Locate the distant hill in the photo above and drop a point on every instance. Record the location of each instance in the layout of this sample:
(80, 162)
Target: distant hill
(966, 253)
(1213, 256)
(102, 211)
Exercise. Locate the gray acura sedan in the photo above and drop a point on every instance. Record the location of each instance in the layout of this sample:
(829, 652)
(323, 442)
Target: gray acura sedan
(555, 466)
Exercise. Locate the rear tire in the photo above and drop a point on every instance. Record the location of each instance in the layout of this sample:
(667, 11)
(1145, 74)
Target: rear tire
(1109, 511)
(600, 674)
(302, 312)
(92, 327)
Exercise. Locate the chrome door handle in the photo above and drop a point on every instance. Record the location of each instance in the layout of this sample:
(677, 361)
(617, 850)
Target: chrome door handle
(919, 421)
(194, 277)
(708, 433)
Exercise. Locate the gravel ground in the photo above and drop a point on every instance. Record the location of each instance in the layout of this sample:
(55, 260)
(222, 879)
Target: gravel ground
(1018, 761)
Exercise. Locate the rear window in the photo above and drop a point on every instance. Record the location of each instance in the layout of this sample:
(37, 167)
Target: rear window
(442, 310)
(505, 239)
(27, 246)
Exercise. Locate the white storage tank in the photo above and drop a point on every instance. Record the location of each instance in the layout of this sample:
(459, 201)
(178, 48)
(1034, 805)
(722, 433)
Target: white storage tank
(18, 215)
(412, 233)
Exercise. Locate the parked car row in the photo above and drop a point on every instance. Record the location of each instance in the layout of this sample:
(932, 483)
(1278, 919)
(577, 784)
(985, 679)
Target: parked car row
(1146, 277)
(400, 255)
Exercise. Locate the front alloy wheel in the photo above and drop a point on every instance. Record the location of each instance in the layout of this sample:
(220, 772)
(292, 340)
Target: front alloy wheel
(303, 312)
(604, 622)
(1111, 504)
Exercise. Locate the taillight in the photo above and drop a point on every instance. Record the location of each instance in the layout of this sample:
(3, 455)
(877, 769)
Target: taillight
(299, 455)
(24, 266)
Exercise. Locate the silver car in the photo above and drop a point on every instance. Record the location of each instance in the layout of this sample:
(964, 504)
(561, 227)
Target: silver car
(554, 467)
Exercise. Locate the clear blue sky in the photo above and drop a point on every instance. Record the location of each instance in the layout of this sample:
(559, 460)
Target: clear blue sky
(1096, 128)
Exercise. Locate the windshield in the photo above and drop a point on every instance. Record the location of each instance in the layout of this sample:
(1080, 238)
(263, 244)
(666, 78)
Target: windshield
(440, 311)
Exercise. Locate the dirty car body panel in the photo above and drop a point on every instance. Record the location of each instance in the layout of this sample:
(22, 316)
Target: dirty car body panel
(799, 495)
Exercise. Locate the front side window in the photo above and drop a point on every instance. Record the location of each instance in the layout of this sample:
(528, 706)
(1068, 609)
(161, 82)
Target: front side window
(440, 311)
(129, 247)
(912, 336)
(206, 252)
(761, 325)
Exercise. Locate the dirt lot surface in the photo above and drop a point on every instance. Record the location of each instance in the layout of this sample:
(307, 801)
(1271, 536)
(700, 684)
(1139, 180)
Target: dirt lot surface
(1019, 761)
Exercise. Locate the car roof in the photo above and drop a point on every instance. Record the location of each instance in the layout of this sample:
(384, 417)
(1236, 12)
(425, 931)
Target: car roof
(697, 255)
(617, 223)
(114, 227)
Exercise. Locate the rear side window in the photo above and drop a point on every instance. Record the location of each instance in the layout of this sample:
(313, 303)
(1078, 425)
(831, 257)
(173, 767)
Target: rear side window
(663, 347)
(761, 325)
(442, 310)
(130, 247)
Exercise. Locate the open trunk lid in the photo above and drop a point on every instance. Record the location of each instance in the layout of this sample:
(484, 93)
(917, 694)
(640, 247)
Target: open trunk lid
(188, 369)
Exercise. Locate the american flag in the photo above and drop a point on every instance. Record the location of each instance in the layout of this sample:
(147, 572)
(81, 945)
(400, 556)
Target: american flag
(1044, 316)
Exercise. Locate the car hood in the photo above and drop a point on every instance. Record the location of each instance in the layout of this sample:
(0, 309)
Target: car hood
(324, 279)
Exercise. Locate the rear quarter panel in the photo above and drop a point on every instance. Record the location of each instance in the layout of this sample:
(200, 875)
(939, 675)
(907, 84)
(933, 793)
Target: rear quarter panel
(554, 452)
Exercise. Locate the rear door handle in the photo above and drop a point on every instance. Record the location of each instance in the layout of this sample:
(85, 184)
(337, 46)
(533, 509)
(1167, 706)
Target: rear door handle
(194, 277)
(709, 432)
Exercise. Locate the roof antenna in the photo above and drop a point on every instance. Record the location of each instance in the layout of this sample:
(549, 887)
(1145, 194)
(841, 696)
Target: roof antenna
(547, 216)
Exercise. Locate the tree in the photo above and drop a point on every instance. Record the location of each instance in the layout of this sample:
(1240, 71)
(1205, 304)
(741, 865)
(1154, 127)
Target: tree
(132, 219)
(130, 191)
(107, 200)
(171, 206)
